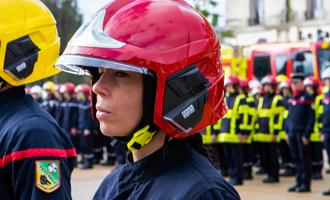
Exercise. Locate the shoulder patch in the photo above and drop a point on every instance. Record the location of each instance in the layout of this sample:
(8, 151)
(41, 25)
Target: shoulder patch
(47, 175)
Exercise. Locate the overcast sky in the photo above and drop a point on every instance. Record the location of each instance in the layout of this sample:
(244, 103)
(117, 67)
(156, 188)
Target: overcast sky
(88, 7)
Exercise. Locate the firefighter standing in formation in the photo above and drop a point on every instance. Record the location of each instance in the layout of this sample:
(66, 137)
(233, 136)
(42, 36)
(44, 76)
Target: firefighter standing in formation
(285, 153)
(232, 135)
(85, 126)
(70, 113)
(36, 156)
(325, 117)
(301, 121)
(249, 119)
(312, 88)
(50, 102)
(269, 123)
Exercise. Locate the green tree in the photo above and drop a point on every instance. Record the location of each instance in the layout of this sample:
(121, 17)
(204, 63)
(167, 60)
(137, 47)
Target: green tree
(288, 11)
(202, 6)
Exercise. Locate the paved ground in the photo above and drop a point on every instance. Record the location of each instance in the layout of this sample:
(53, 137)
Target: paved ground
(85, 183)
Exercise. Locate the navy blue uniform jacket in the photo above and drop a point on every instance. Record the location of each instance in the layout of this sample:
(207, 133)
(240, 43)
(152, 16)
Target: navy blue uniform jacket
(28, 135)
(184, 174)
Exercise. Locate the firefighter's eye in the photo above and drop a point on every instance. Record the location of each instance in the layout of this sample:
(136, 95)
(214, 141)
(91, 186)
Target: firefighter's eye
(121, 74)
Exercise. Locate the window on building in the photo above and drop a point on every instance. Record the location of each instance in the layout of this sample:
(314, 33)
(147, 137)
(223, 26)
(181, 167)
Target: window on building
(256, 12)
(314, 9)
(261, 66)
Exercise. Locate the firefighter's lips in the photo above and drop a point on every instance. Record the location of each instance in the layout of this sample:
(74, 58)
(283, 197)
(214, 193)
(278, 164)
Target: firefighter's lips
(102, 113)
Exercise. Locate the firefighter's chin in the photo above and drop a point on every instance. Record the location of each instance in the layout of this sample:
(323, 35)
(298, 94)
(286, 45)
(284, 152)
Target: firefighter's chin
(113, 128)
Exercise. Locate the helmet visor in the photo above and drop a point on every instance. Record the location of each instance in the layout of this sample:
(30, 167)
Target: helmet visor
(75, 64)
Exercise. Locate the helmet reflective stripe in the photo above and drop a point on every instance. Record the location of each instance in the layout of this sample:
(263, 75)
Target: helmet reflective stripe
(73, 63)
(91, 34)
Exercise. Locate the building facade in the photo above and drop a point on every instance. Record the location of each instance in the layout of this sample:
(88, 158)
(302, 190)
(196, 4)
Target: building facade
(254, 21)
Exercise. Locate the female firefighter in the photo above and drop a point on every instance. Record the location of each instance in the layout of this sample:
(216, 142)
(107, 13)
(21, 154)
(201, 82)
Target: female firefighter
(157, 80)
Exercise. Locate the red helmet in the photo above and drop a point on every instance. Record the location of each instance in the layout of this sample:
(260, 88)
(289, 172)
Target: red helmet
(244, 83)
(269, 80)
(84, 88)
(311, 81)
(67, 87)
(168, 40)
(57, 87)
(232, 80)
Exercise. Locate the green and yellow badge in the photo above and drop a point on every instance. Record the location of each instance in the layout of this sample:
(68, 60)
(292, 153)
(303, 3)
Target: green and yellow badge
(48, 175)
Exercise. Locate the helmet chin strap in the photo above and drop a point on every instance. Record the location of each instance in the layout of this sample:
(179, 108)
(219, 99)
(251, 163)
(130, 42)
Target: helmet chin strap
(146, 129)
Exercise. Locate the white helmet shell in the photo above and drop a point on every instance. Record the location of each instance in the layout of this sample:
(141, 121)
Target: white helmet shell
(36, 89)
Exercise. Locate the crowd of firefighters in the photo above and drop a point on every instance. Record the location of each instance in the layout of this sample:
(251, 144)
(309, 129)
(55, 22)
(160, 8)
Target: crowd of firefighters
(69, 105)
(277, 124)
(280, 124)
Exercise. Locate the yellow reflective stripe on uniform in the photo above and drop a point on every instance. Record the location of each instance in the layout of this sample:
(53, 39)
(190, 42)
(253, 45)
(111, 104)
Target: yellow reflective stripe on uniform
(270, 113)
(217, 125)
(282, 135)
(264, 113)
(244, 110)
(278, 111)
(227, 137)
(316, 135)
(233, 114)
(207, 135)
(286, 113)
(265, 137)
(252, 113)
(247, 112)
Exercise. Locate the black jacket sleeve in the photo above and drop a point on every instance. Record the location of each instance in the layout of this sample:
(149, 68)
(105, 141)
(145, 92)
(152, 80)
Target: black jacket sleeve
(311, 119)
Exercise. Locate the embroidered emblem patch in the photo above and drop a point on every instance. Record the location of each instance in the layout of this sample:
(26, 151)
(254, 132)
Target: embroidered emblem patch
(48, 178)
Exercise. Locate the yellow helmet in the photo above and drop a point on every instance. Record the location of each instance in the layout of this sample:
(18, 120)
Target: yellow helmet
(29, 44)
(281, 78)
(49, 86)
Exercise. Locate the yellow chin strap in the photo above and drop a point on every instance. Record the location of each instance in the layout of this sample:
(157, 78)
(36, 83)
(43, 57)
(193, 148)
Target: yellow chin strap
(140, 138)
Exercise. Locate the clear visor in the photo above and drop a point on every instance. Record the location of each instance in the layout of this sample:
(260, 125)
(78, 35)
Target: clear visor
(91, 34)
(75, 64)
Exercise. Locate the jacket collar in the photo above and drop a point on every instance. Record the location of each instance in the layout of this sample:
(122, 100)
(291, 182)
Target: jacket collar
(134, 172)
(11, 94)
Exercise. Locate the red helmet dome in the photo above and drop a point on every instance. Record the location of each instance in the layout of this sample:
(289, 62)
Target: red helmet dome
(269, 80)
(232, 80)
(244, 83)
(166, 39)
(311, 81)
(84, 88)
(67, 87)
